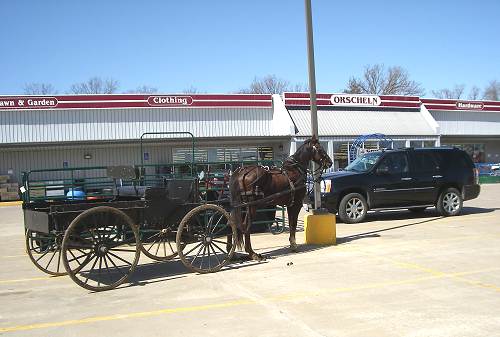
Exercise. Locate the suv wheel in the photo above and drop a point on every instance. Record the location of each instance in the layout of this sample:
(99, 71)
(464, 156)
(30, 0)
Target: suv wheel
(353, 208)
(450, 202)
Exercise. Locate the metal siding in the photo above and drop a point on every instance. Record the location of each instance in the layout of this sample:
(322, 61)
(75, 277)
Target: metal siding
(115, 124)
(331, 123)
(467, 122)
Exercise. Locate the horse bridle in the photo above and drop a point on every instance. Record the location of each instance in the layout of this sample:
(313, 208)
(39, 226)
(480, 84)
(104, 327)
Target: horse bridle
(322, 164)
(303, 170)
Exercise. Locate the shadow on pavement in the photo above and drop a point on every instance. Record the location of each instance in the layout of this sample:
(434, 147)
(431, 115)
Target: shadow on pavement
(429, 213)
(375, 233)
(154, 272)
(285, 251)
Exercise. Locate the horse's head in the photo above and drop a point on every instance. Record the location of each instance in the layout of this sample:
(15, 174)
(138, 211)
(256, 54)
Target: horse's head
(318, 154)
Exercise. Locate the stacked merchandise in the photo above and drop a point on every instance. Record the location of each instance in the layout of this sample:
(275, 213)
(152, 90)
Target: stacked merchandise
(8, 190)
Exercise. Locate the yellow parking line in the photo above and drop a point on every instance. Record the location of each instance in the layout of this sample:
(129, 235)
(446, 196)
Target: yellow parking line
(456, 276)
(126, 316)
(28, 279)
(235, 303)
(12, 256)
(10, 203)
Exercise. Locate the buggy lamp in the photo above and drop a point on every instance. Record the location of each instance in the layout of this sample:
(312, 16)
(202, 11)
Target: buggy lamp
(326, 186)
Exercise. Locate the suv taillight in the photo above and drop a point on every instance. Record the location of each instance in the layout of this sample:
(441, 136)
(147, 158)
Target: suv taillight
(476, 176)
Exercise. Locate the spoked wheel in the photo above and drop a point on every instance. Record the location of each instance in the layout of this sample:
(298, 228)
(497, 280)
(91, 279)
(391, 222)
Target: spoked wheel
(159, 244)
(353, 208)
(44, 250)
(101, 248)
(206, 239)
(450, 202)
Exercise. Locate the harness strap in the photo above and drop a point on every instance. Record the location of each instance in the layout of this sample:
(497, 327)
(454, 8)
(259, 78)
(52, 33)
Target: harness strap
(292, 189)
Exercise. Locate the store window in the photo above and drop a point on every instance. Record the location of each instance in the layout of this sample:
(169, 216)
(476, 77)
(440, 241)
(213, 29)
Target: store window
(230, 154)
(399, 144)
(416, 144)
(340, 151)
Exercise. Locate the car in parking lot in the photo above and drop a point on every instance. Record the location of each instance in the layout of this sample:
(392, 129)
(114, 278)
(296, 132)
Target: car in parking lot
(408, 178)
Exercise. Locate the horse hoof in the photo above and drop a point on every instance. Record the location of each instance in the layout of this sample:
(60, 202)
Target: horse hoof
(237, 257)
(294, 248)
(258, 257)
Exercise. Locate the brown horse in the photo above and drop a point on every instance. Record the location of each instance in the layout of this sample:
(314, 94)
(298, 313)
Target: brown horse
(257, 186)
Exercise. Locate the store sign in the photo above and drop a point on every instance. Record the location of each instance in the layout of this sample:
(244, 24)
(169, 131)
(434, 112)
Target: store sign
(170, 100)
(28, 102)
(356, 100)
(469, 105)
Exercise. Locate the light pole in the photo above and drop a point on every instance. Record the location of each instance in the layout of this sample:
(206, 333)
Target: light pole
(312, 93)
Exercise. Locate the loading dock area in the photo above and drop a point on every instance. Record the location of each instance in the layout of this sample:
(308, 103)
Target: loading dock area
(398, 274)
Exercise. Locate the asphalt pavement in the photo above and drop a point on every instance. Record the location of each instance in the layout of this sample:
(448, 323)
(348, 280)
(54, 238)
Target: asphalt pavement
(397, 274)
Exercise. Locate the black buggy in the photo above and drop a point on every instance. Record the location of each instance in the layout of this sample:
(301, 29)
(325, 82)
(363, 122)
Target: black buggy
(97, 241)
(92, 223)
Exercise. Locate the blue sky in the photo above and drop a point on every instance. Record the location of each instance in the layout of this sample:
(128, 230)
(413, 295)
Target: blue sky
(219, 46)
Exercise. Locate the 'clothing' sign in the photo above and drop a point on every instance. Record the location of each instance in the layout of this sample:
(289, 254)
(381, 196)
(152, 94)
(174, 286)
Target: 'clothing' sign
(356, 100)
(170, 100)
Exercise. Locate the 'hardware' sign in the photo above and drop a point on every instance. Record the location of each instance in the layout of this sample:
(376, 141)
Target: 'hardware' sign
(469, 105)
(356, 100)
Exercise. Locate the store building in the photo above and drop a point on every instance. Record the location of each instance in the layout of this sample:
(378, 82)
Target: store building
(471, 125)
(104, 130)
(344, 117)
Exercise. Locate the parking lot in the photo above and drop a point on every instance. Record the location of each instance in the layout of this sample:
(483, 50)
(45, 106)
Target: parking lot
(398, 274)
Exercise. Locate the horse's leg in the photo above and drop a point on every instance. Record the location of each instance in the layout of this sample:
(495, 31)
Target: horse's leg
(239, 219)
(229, 243)
(293, 215)
(251, 211)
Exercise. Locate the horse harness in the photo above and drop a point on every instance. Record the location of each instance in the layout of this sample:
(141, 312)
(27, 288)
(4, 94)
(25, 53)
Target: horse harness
(257, 194)
(302, 172)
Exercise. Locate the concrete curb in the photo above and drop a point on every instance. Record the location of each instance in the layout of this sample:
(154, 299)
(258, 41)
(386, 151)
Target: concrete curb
(10, 203)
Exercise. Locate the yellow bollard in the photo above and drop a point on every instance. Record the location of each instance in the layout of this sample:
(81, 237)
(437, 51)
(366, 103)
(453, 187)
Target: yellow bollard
(320, 229)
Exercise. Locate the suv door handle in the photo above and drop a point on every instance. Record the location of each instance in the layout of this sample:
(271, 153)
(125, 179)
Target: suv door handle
(437, 176)
(406, 179)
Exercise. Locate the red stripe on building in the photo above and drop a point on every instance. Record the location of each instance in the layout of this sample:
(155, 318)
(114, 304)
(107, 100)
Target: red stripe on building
(454, 108)
(322, 103)
(301, 95)
(435, 101)
(104, 105)
(131, 101)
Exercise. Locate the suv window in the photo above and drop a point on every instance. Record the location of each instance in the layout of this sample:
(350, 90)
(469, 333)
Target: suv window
(426, 161)
(395, 163)
(462, 160)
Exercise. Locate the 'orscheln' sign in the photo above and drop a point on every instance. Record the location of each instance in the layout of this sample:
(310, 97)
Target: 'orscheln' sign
(357, 100)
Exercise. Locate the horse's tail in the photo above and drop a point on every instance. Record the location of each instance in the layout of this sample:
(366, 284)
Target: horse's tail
(235, 217)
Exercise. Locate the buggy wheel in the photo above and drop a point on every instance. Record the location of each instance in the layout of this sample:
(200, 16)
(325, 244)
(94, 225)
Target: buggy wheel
(101, 248)
(159, 244)
(44, 250)
(206, 239)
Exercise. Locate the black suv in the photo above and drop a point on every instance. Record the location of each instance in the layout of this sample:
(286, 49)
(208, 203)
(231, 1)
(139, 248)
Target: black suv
(406, 178)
